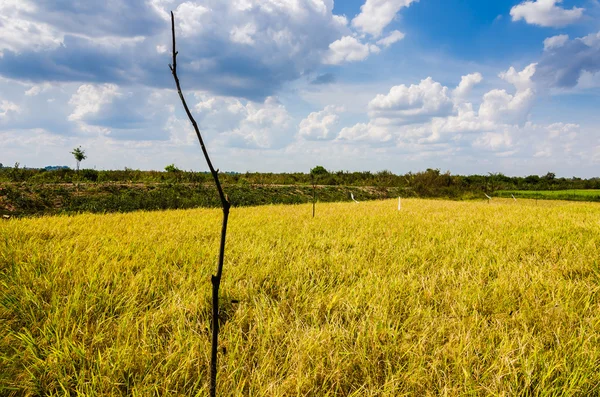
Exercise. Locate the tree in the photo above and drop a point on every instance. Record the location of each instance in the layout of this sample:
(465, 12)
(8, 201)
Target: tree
(319, 171)
(172, 168)
(79, 155)
(550, 176)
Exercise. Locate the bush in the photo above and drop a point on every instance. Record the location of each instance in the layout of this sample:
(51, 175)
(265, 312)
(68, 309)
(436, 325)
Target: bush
(90, 175)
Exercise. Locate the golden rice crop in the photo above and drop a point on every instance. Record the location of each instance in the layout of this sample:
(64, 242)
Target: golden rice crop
(441, 298)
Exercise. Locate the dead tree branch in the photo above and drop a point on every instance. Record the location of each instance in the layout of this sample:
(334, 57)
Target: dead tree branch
(215, 279)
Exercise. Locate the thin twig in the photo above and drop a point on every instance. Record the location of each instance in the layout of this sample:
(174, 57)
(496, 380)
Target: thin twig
(215, 279)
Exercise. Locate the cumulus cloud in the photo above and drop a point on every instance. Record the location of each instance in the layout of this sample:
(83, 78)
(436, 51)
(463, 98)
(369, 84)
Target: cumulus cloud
(521, 80)
(124, 113)
(431, 114)
(319, 125)
(565, 65)
(369, 133)
(266, 126)
(18, 33)
(96, 19)
(545, 13)
(417, 103)
(466, 84)
(391, 38)
(89, 99)
(249, 125)
(37, 89)
(241, 48)
(499, 106)
(6, 108)
(494, 141)
(375, 15)
(348, 49)
(555, 42)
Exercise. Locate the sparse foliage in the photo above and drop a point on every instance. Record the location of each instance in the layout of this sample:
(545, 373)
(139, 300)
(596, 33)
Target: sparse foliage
(172, 168)
(79, 155)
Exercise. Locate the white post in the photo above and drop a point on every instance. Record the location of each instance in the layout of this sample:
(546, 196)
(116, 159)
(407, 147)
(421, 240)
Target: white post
(513, 196)
(399, 204)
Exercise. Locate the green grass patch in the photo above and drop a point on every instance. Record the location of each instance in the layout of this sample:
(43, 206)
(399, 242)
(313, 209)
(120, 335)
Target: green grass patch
(571, 195)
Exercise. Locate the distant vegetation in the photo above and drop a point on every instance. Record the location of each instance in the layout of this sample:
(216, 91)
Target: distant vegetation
(426, 183)
(37, 191)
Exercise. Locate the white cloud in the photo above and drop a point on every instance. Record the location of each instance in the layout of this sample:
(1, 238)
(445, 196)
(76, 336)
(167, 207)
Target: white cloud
(6, 108)
(348, 49)
(180, 131)
(391, 38)
(319, 125)
(591, 40)
(243, 34)
(251, 125)
(563, 130)
(375, 15)
(521, 80)
(555, 42)
(426, 115)
(370, 133)
(495, 141)
(89, 99)
(417, 103)
(192, 18)
(466, 84)
(271, 42)
(38, 89)
(500, 107)
(545, 13)
(18, 33)
(266, 126)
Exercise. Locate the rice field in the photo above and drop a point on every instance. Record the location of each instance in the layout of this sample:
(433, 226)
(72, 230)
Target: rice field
(441, 298)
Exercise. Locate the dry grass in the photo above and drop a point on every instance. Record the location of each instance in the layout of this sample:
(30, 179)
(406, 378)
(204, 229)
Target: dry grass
(442, 298)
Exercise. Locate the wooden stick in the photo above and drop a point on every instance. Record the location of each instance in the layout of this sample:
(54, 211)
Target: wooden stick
(215, 279)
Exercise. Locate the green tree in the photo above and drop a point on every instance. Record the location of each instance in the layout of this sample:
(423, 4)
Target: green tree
(79, 155)
(172, 168)
(318, 171)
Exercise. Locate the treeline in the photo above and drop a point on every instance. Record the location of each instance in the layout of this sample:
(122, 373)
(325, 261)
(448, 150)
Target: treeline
(29, 199)
(431, 182)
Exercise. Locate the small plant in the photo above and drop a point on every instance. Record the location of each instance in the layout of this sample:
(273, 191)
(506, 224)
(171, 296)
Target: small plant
(316, 175)
(79, 155)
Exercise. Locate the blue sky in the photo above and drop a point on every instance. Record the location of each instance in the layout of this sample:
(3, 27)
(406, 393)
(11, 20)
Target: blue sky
(468, 86)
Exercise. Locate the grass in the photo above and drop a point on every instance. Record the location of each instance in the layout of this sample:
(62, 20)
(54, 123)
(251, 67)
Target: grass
(571, 195)
(441, 298)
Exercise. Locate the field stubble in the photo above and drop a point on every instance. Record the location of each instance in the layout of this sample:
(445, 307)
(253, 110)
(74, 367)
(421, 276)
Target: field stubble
(441, 298)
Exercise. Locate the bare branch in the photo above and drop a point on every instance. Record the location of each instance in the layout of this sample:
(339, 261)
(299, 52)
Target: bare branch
(215, 279)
